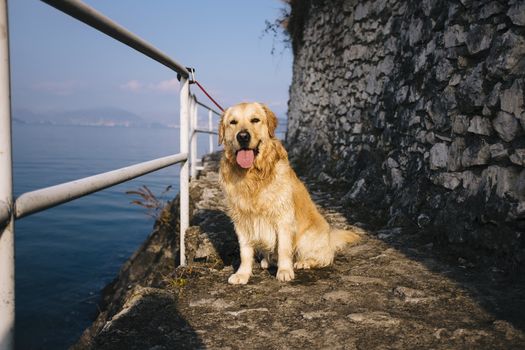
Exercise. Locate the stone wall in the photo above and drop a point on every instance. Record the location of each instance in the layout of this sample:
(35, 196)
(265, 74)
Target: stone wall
(416, 109)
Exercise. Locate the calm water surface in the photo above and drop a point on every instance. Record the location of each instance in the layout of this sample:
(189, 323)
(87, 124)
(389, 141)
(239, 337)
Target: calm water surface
(66, 255)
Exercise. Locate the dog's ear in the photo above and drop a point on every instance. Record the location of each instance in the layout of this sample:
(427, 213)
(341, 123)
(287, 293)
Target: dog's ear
(221, 128)
(272, 120)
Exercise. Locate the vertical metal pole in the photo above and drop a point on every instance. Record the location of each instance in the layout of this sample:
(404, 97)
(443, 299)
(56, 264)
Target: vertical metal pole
(193, 146)
(210, 128)
(7, 246)
(184, 192)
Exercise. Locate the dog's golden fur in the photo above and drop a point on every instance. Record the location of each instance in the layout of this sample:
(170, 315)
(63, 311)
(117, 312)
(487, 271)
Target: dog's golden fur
(270, 207)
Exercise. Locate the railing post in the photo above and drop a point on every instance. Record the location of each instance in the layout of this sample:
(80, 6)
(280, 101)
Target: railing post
(184, 193)
(193, 146)
(7, 246)
(210, 128)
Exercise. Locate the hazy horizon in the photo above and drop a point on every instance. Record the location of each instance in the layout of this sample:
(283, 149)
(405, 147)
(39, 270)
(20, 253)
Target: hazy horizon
(59, 64)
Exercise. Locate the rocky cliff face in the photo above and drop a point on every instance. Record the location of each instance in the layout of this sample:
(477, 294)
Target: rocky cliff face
(416, 109)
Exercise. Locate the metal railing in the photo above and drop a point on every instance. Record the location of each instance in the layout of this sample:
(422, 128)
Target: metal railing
(195, 130)
(45, 198)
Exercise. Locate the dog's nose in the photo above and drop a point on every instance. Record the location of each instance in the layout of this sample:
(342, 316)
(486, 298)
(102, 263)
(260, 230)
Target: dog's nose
(244, 138)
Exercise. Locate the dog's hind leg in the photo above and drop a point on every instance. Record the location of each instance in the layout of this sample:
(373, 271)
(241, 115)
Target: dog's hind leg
(305, 264)
(313, 250)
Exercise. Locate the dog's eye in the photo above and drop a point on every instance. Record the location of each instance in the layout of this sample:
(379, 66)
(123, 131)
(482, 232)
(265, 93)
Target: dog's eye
(233, 122)
(255, 120)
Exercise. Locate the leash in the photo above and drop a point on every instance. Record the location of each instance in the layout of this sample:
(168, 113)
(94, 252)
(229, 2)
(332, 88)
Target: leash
(207, 94)
(194, 81)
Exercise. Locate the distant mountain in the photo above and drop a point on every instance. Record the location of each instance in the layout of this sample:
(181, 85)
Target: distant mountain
(100, 116)
(18, 121)
(103, 116)
(26, 116)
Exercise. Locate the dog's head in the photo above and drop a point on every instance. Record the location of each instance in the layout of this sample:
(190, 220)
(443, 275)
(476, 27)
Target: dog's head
(244, 129)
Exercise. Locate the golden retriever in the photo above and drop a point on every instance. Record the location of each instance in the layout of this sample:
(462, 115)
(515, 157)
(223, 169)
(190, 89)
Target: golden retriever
(269, 206)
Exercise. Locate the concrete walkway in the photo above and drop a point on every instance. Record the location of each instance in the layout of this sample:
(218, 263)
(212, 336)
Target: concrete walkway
(394, 290)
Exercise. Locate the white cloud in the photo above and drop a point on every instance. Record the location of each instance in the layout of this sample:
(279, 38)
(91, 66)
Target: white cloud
(61, 88)
(171, 85)
(132, 85)
(163, 86)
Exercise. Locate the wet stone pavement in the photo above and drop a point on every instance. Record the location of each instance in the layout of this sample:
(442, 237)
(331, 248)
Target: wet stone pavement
(393, 290)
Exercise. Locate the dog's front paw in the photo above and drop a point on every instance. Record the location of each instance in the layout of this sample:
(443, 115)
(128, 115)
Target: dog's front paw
(238, 278)
(285, 275)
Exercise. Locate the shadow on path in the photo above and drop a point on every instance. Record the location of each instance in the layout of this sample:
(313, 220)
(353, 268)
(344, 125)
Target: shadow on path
(500, 294)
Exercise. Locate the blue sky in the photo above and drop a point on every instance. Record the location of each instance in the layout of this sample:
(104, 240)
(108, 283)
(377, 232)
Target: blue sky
(58, 63)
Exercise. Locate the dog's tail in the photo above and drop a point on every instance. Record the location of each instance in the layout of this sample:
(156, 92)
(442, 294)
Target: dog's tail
(339, 238)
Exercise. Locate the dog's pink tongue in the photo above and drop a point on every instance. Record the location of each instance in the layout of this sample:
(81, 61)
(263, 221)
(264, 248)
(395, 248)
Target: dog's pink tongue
(245, 158)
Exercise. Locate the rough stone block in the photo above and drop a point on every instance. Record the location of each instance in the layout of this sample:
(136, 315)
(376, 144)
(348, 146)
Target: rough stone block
(414, 95)
(401, 94)
(507, 54)
(494, 95)
(455, 80)
(517, 13)
(518, 157)
(420, 61)
(479, 38)
(501, 181)
(356, 52)
(386, 65)
(475, 154)
(512, 98)
(490, 9)
(397, 178)
(414, 120)
(361, 10)
(357, 128)
(479, 125)
(498, 151)
(436, 110)
(460, 124)
(454, 36)
(448, 180)
(470, 90)
(454, 154)
(392, 163)
(438, 156)
(471, 182)
(519, 189)
(415, 31)
(443, 70)
(487, 112)
(506, 126)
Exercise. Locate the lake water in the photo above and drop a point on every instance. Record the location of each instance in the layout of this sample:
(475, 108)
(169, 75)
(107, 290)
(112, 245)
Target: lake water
(66, 255)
